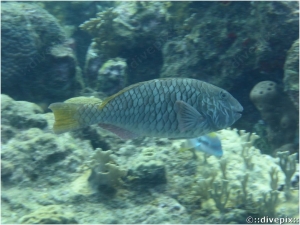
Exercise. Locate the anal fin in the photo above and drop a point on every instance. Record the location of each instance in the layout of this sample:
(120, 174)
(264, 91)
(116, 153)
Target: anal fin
(120, 132)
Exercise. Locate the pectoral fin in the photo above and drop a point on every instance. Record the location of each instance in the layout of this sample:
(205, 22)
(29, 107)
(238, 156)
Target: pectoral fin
(188, 117)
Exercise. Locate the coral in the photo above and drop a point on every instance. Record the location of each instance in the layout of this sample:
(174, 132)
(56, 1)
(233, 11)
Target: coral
(291, 73)
(243, 193)
(220, 194)
(32, 150)
(223, 165)
(7, 169)
(246, 185)
(134, 31)
(247, 141)
(112, 76)
(104, 172)
(288, 166)
(65, 11)
(277, 111)
(34, 154)
(125, 24)
(52, 214)
(148, 174)
(220, 50)
(93, 62)
(268, 203)
(21, 114)
(274, 178)
(231, 52)
(204, 186)
(260, 129)
(37, 61)
(163, 185)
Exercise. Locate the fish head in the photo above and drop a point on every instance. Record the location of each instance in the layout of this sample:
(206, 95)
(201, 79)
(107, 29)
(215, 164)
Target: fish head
(222, 109)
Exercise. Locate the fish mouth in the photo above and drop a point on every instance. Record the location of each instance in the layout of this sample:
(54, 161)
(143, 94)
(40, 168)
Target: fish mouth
(239, 110)
(238, 114)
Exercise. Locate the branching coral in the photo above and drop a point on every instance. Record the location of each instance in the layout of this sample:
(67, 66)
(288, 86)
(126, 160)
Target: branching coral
(246, 177)
(104, 171)
(268, 203)
(288, 165)
(220, 194)
(223, 165)
(243, 193)
(247, 140)
(205, 185)
(274, 179)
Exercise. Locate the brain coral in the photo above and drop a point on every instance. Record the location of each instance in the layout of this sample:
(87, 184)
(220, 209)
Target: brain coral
(37, 61)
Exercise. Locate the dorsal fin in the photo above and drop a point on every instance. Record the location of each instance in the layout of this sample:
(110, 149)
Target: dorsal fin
(84, 100)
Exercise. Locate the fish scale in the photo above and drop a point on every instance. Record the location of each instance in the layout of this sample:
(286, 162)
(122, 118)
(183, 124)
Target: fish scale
(172, 107)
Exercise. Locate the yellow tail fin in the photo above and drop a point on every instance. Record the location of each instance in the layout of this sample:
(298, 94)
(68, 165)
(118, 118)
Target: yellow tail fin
(65, 117)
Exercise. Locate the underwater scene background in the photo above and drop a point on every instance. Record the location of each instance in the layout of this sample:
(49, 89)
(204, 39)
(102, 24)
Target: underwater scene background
(53, 51)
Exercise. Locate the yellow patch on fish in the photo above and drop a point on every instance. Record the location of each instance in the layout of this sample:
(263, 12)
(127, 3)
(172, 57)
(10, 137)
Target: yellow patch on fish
(65, 113)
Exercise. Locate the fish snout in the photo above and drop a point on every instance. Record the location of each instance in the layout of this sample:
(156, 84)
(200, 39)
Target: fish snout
(237, 111)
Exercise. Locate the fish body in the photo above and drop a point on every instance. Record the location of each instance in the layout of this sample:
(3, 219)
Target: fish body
(209, 143)
(171, 108)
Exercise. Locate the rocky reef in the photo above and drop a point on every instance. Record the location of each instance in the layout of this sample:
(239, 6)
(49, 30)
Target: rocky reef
(203, 40)
(48, 178)
(121, 43)
(91, 176)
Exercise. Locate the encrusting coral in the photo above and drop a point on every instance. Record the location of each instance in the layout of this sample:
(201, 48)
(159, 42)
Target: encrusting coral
(51, 214)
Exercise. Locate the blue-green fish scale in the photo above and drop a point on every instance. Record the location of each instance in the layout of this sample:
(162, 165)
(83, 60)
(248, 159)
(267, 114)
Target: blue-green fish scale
(148, 108)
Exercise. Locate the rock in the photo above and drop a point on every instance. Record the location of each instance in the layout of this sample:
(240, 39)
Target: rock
(148, 174)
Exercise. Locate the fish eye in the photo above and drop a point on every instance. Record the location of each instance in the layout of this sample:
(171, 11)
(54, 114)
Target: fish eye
(223, 95)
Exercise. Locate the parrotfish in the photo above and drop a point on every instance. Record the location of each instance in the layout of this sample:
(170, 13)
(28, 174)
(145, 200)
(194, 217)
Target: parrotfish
(209, 143)
(175, 108)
